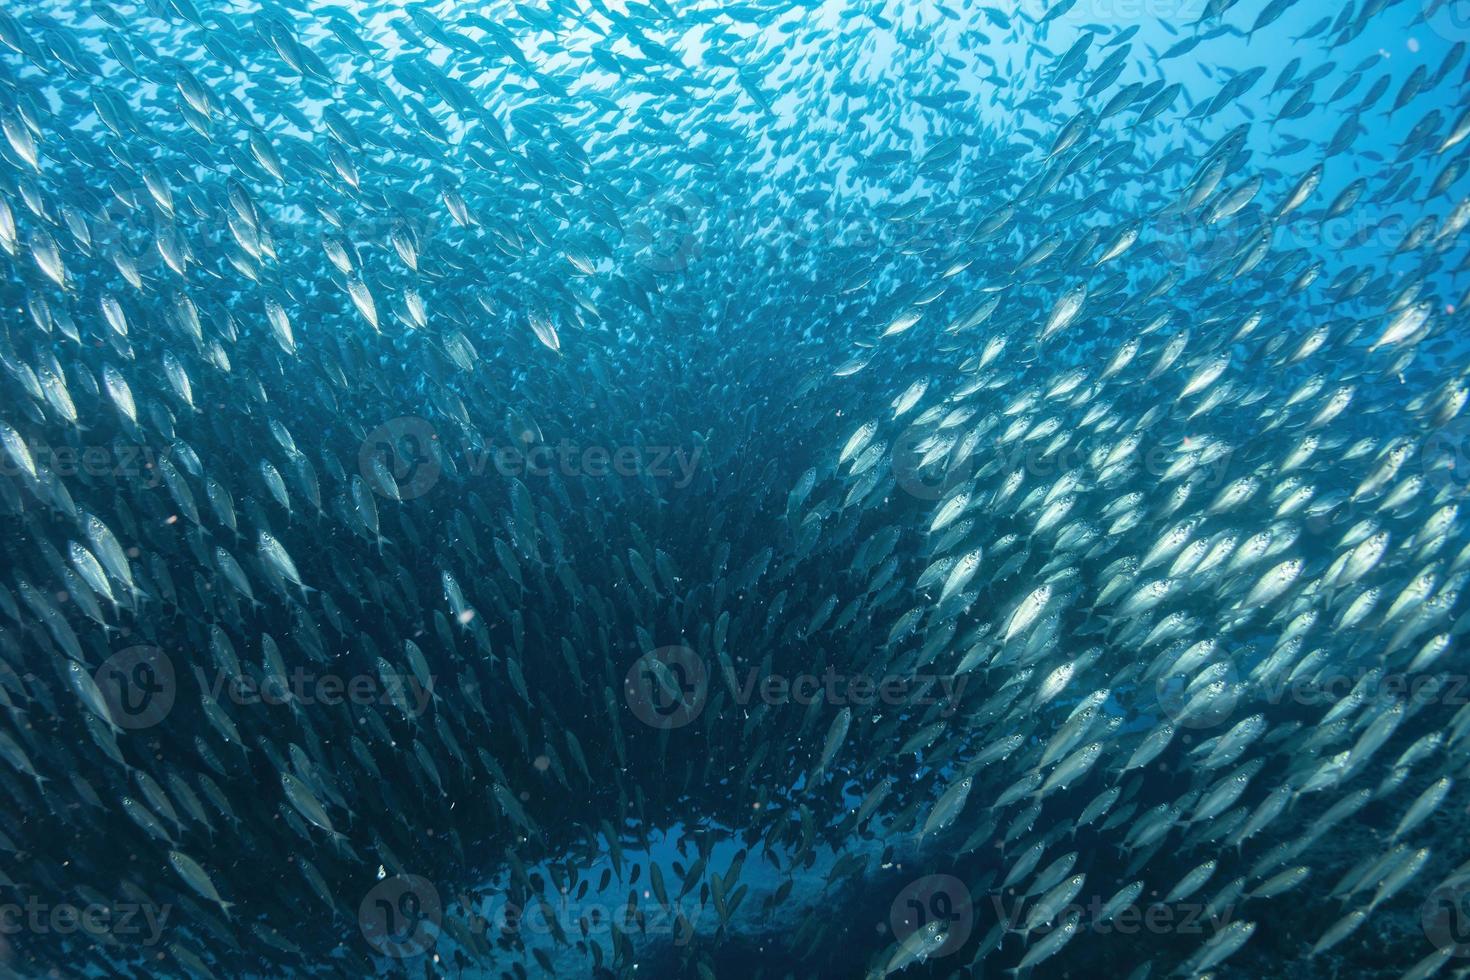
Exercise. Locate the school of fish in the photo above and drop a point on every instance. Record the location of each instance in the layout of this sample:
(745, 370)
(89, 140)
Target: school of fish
(434, 436)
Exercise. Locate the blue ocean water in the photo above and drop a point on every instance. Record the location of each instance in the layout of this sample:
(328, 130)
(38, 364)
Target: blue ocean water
(790, 489)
